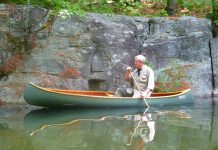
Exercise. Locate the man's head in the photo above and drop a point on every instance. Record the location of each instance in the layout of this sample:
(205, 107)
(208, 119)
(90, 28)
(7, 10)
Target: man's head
(139, 61)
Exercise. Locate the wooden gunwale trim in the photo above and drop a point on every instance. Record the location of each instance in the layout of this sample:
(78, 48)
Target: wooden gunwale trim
(109, 97)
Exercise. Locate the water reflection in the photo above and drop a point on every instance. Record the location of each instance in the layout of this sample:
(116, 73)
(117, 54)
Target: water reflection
(13, 139)
(192, 127)
(144, 128)
(85, 129)
(138, 129)
(46, 117)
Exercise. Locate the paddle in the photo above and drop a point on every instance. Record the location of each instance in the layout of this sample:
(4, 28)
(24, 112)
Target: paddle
(139, 89)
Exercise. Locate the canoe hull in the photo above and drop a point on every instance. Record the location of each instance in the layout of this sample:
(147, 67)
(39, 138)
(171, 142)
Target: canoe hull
(37, 96)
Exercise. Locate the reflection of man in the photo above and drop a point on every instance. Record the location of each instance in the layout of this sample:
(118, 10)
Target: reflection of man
(145, 128)
(142, 78)
(151, 126)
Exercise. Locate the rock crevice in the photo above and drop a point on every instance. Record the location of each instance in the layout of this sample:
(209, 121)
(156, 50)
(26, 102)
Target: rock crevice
(214, 64)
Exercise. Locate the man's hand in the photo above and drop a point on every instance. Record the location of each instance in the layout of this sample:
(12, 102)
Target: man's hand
(145, 94)
(128, 73)
(128, 68)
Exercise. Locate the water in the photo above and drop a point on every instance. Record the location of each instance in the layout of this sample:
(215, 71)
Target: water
(192, 127)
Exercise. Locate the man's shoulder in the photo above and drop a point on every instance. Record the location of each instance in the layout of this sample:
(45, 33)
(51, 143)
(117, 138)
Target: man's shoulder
(147, 68)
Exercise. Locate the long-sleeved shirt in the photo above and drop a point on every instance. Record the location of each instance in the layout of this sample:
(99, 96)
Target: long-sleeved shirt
(144, 79)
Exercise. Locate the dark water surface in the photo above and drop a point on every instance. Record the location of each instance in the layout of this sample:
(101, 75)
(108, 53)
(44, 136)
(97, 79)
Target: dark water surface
(190, 127)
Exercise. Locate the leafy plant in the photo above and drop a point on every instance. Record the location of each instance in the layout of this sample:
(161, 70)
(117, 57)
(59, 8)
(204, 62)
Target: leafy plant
(172, 79)
(149, 64)
(99, 8)
(214, 16)
(216, 22)
(151, 8)
(163, 13)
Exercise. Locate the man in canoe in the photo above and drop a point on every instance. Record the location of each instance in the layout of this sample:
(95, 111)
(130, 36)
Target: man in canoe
(142, 79)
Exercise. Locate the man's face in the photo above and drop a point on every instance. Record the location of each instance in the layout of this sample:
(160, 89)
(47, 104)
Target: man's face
(138, 64)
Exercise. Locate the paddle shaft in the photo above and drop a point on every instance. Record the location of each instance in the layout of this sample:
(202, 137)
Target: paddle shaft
(138, 88)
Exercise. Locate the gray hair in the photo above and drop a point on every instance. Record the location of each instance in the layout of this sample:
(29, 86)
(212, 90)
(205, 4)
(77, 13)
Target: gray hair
(140, 58)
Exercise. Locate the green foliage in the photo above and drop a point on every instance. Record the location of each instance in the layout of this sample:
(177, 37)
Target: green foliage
(17, 1)
(171, 79)
(99, 8)
(129, 7)
(151, 8)
(214, 16)
(148, 8)
(216, 22)
(163, 13)
(55, 5)
(193, 4)
(76, 9)
(149, 64)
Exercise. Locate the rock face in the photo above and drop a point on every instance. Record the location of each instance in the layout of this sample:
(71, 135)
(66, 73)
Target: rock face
(214, 54)
(185, 40)
(92, 52)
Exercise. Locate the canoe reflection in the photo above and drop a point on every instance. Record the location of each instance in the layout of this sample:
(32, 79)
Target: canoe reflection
(119, 128)
(40, 117)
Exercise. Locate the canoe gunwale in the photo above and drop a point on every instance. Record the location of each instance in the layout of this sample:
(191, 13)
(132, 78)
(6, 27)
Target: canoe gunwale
(108, 93)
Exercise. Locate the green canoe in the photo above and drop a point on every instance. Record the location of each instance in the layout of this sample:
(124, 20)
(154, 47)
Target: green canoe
(46, 97)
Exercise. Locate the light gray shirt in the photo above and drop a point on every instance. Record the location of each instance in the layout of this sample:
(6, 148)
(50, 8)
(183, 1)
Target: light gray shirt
(145, 80)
